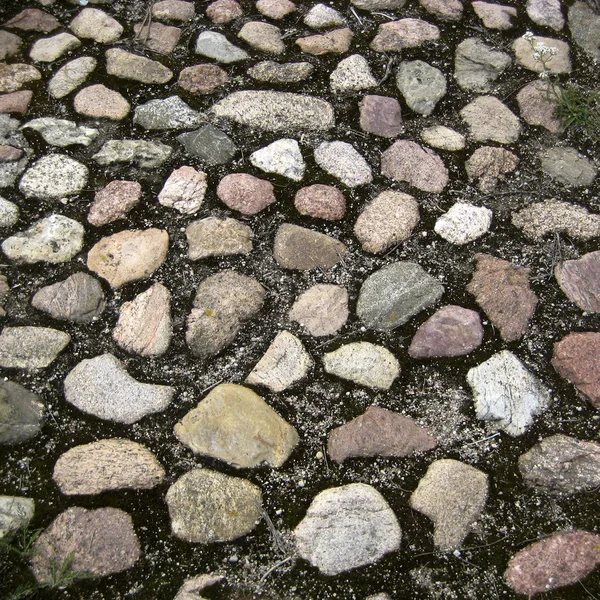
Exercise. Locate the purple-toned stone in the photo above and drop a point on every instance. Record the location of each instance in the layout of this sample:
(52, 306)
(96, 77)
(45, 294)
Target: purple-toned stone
(10, 154)
(16, 103)
(321, 201)
(114, 201)
(580, 280)
(381, 115)
(202, 79)
(245, 193)
(33, 19)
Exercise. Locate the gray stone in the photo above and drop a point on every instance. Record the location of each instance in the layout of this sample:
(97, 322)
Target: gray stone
(537, 105)
(101, 386)
(568, 166)
(526, 56)
(31, 348)
(322, 309)
(160, 38)
(52, 48)
(321, 16)
(282, 157)
(392, 295)
(273, 72)
(15, 514)
(238, 427)
(580, 280)
(445, 10)
(214, 236)
(126, 65)
(71, 76)
(372, 5)
(283, 364)
(491, 121)
(443, 138)
(54, 176)
(275, 9)
(184, 190)
(62, 133)
(167, 113)
(352, 74)
(95, 24)
(14, 77)
(21, 414)
(395, 36)
(347, 527)
(342, 161)
(464, 223)
(173, 10)
(495, 16)
(506, 393)
(584, 25)
(453, 495)
(210, 144)
(9, 213)
(262, 36)
(477, 66)
(421, 85)
(547, 13)
(79, 298)
(216, 46)
(488, 165)
(10, 44)
(206, 506)
(364, 363)
(10, 136)
(145, 154)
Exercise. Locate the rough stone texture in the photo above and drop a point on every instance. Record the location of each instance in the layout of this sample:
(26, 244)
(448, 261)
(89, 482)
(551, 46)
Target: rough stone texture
(224, 11)
(378, 432)
(477, 66)
(126, 65)
(321, 201)
(372, 5)
(342, 161)
(584, 25)
(114, 201)
(322, 309)
(79, 298)
(537, 106)
(101, 386)
(216, 46)
(272, 72)
(223, 303)
(16, 76)
(381, 115)
(445, 10)
(547, 13)
(453, 495)
(158, 37)
(282, 157)
(580, 280)
(577, 358)
(506, 393)
(33, 19)
(334, 42)
(31, 348)
(202, 79)
(283, 364)
(144, 326)
(62, 133)
(214, 236)
(21, 413)
(276, 111)
(245, 193)
(275, 9)
(421, 85)
(16, 102)
(302, 249)
(420, 167)
(488, 164)
(101, 541)
(524, 55)
(206, 506)
(52, 48)
(237, 426)
(347, 527)
(184, 190)
(95, 24)
(562, 464)
(10, 45)
(55, 239)
(386, 221)
(390, 296)
(321, 16)
(169, 113)
(12, 139)
(450, 331)
(502, 290)
(9, 213)
(263, 37)
(9, 154)
(191, 588)
(395, 36)
(15, 513)
(463, 223)
(491, 121)
(443, 138)
(495, 16)
(210, 144)
(71, 76)
(145, 154)
(559, 560)
(107, 465)
(52, 177)
(363, 363)
(352, 74)
(173, 10)
(554, 216)
(100, 102)
(568, 166)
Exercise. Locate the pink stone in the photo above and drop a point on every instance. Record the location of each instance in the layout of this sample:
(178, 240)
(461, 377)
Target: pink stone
(394, 36)
(321, 201)
(488, 164)
(381, 115)
(99, 102)
(202, 79)
(275, 9)
(224, 11)
(580, 280)
(33, 19)
(114, 201)
(9, 153)
(537, 104)
(10, 44)
(17, 102)
(246, 193)
(334, 42)
(445, 10)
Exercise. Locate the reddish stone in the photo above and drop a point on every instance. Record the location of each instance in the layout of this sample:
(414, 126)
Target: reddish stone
(381, 115)
(224, 11)
(246, 193)
(275, 9)
(17, 102)
(33, 19)
(202, 79)
(321, 201)
(487, 164)
(114, 201)
(158, 37)
(10, 154)
(580, 280)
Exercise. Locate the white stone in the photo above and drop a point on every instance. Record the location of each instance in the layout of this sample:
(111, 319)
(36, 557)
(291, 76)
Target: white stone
(184, 190)
(52, 177)
(9, 213)
(282, 157)
(52, 48)
(464, 223)
(321, 16)
(352, 74)
(71, 76)
(62, 133)
(342, 161)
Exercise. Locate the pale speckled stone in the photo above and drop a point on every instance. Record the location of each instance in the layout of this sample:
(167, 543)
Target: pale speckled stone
(322, 309)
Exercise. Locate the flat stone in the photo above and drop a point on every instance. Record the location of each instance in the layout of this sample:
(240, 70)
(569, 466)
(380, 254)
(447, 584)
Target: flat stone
(322, 309)
(282, 157)
(95, 24)
(321, 201)
(10, 45)
(245, 193)
(79, 298)
(445, 10)
(577, 358)
(129, 255)
(276, 111)
(202, 79)
(283, 364)
(15, 514)
(216, 236)
(99, 102)
(107, 465)
(381, 115)
(100, 541)
(31, 348)
(453, 495)
(477, 66)
(352, 74)
(580, 280)
(321, 16)
(33, 19)
(420, 167)
(9, 213)
(52, 177)
(547, 13)
(184, 190)
(101, 386)
(16, 102)
(334, 42)
(16, 76)
(206, 506)
(554, 216)
(503, 292)
(145, 154)
(443, 138)
(275, 9)
(71, 76)
(347, 527)
(126, 65)
(488, 164)
(223, 303)
(464, 223)
(10, 154)
(237, 426)
(386, 221)
(372, 5)
(173, 10)
(491, 121)
(421, 85)
(210, 144)
(272, 72)
(144, 326)
(342, 161)
(584, 25)
(224, 11)
(263, 37)
(216, 46)
(62, 133)
(158, 37)
(507, 394)
(114, 201)
(525, 55)
(537, 106)
(303, 249)
(54, 239)
(560, 464)
(395, 36)
(495, 16)
(554, 562)
(52, 48)
(450, 331)
(21, 414)
(378, 432)
(390, 296)
(568, 166)
(364, 363)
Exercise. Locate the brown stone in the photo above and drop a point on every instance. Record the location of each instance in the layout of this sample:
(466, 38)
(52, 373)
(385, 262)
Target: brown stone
(224, 11)
(502, 290)
(10, 45)
(10, 153)
(33, 19)
(334, 42)
(275, 9)
(378, 432)
(158, 37)
(321, 201)
(488, 164)
(580, 280)
(381, 115)
(202, 79)
(245, 193)
(262, 36)
(114, 201)
(16, 103)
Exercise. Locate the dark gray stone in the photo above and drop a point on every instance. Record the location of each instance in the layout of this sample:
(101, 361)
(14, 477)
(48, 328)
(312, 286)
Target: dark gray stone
(21, 413)
(210, 144)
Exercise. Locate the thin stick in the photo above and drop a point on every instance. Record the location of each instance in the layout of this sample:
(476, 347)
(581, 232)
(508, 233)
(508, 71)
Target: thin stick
(273, 568)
